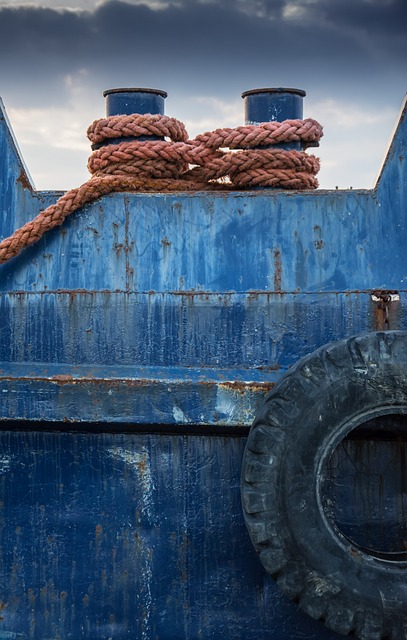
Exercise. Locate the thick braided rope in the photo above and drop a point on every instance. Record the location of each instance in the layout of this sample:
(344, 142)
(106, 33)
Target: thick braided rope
(266, 133)
(275, 165)
(135, 126)
(73, 200)
(160, 165)
(156, 158)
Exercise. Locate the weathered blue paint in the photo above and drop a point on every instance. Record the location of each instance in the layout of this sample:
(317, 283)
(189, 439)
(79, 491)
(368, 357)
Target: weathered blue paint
(132, 536)
(136, 342)
(274, 105)
(128, 101)
(180, 345)
(121, 102)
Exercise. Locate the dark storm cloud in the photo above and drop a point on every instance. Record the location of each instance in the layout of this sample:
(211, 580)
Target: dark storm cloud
(205, 45)
(386, 18)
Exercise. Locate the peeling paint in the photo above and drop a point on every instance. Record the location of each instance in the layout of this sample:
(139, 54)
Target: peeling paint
(5, 464)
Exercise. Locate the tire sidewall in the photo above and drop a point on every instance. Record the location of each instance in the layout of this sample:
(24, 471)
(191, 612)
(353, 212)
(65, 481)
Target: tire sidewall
(316, 404)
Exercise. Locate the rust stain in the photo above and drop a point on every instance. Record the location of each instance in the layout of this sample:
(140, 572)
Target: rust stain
(31, 597)
(98, 531)
(383, 306)
(277, 270)
(240, 387)
(318, 243)
(245, 387)
(118, 247)
(383, 293)
(142, 382)
(94, 231)
(203, 294)
(254, 294)
(74, 293)
(269, 367)
(165, 242)
(129, 275)
(23, 180)
(379, 317)
(142, 465)
(63, 378)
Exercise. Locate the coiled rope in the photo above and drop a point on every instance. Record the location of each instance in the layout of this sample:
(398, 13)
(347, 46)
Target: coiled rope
(164, 165)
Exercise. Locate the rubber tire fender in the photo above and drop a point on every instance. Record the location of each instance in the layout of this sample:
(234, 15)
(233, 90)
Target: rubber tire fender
(310, 410)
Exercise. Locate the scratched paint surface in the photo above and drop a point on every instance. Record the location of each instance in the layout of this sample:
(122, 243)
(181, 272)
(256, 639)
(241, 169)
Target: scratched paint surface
(177, 310)
(164, 358)
(237, 330)
(131, 536)
(206, 281)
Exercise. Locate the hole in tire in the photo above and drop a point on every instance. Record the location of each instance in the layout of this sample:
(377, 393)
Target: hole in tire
(365, 488)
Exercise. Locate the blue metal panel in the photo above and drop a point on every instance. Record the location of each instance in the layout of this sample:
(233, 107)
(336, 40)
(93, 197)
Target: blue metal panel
(131, 536)
(84, 340)
(218, 355)
(325, 241)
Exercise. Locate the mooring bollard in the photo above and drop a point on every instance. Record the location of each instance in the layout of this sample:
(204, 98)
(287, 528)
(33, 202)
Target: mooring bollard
(274, 105)
(120, 102)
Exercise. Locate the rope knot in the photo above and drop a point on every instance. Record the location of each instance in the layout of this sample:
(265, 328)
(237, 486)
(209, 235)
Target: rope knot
(153, 153)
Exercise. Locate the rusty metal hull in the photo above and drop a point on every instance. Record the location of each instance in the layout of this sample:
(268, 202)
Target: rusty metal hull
(202, 359)
(137, 342)
(122, 541)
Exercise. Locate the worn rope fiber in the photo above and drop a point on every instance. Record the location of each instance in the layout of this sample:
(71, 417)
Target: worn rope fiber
(164, 165)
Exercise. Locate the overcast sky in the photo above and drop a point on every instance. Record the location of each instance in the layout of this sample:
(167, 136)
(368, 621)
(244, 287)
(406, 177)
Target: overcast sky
(57, 57)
